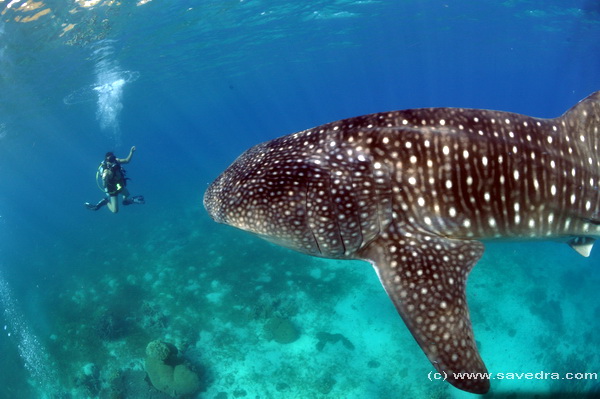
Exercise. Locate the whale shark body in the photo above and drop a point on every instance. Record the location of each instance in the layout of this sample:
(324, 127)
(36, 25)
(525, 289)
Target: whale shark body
(415, 192)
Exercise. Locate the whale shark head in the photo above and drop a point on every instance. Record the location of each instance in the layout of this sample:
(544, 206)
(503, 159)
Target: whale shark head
(263, 192)
(415, 193)
(304, 192)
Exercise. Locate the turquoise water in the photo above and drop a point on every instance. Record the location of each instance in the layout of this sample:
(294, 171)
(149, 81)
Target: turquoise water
(194, 83)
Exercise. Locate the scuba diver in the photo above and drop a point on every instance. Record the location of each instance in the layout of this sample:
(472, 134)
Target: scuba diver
(114, 183)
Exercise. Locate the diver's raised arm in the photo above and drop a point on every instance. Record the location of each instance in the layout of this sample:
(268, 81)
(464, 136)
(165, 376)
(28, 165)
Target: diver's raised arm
(126, 160)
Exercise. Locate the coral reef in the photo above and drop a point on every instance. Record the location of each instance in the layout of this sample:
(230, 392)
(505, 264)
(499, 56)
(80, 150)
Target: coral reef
(328, 338)
(325, 384)
(133, 384)
(281, 330)
(152, 317)
(112, 325)
(167, 372)
(89, 380)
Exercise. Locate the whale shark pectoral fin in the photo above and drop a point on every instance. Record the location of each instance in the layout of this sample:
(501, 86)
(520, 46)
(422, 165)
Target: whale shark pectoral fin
(425, 276)
(583, 245)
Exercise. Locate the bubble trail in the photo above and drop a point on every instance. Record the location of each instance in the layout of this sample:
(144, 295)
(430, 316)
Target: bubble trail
(32, 352)
(107, 89)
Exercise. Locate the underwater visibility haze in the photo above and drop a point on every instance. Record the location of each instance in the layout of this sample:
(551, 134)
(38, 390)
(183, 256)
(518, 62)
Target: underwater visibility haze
(158, 301)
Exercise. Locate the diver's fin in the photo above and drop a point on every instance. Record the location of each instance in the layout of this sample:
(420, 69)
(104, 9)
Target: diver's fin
(99, 205)
(138, 199)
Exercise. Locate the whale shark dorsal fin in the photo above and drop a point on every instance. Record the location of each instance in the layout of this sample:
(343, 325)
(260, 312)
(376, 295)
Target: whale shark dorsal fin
(583, 117)
(583, 245)
(425, 276)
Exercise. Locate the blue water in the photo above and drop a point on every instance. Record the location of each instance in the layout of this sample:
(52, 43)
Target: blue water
(194, 83)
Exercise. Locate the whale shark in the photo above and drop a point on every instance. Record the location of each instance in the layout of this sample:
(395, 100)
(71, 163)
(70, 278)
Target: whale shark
(416, 193)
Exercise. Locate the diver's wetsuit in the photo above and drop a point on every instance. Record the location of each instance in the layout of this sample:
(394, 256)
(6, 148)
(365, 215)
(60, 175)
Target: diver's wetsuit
(116, 182)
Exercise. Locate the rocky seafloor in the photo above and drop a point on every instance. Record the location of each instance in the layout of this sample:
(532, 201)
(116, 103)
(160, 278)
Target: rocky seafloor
(252, 320)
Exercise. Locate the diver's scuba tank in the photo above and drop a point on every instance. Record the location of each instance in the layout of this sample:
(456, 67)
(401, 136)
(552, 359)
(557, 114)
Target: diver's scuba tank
(99, 181)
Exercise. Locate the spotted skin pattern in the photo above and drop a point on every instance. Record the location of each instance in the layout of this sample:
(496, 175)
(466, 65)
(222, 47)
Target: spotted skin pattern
(415, 193)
